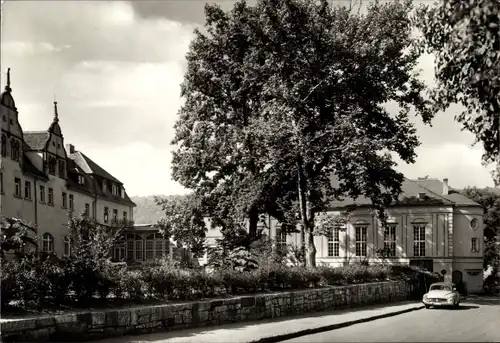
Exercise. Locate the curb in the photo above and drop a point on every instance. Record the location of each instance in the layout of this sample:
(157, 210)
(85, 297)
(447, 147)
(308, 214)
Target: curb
(306, 332)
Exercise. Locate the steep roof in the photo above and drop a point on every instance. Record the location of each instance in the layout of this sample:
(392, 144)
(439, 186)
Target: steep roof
(90, 167)
(36, 140)
(29, 168)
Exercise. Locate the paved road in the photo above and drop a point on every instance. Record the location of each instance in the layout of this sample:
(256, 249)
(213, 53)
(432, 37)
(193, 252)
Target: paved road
(476, 320)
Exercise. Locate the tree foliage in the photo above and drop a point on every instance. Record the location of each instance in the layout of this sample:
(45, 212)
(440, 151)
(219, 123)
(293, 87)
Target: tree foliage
(217, 154)
(464, 37)
(184, 221)
(16, 235)
(330, 71)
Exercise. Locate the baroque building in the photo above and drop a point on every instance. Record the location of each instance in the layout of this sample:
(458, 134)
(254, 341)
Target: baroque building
(430, 226)
(42, 181)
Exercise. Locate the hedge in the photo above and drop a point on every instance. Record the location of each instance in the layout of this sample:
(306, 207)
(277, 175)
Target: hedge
(52, 281)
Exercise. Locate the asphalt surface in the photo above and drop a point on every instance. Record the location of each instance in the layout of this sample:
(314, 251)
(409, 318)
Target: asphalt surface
(476, 320)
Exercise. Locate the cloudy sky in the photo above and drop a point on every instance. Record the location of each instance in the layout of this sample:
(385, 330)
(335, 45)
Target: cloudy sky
(115, 69)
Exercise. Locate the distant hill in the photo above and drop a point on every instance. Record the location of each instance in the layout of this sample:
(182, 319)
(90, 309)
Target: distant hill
(146, 212)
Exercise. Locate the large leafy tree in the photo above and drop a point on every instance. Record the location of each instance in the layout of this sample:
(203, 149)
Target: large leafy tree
(330, 73)
(217, 154)
(464, 37)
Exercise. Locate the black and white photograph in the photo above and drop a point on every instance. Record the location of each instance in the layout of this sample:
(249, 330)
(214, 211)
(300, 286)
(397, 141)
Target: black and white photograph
(250, 171)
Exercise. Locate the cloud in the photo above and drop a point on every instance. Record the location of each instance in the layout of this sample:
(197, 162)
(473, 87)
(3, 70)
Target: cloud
(460, 163)
(144, 167)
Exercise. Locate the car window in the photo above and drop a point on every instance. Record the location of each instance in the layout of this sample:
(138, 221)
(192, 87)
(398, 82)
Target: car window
(440, 288)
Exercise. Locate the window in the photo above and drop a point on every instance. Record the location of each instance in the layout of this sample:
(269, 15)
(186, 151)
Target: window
(71, 202)
(64, 200)
(4, 146)
(51, 196)
(138, 247)
(52, 165)
(27, 189)
(280, 239)
(122, 193)
(42, 193)
(114, 188)
(390, 240)
(87, 210)
(104, 186)
(150, 247)
(156, 247)
(125, 216)
(134, 247)
(361, 240)
(47, 242)
(119, 250)
(115, 216)
(106, 213)
(62, 168)
(334, 242)
(17, 182)
(67, 246)
(419, 240)
(474, 246)
(1, 183)
(15, 150)
(81, 180)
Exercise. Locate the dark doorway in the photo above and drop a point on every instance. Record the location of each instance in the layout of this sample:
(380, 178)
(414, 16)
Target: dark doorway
(458, 279)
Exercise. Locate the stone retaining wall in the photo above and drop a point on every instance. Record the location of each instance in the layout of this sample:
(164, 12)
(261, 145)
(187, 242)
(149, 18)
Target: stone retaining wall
(95, 325)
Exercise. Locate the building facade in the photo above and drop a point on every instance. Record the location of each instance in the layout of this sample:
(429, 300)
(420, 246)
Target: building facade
(42, 181)
(431, 226)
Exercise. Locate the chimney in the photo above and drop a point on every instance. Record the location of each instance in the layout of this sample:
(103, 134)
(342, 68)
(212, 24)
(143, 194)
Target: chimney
(70, 148)
(446, 189)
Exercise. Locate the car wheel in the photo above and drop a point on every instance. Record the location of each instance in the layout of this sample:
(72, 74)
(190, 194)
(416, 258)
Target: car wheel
(427, 306)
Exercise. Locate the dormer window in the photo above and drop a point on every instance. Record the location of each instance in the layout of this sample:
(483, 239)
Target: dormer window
(104, 186)
(114, 189)
(122, 193)
(81, 180)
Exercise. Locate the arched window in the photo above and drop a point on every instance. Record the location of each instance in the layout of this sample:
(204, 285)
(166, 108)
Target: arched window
(47, 242)
(15, 153)
(67, 246)
(52, 165)
(62, 167)
(4, 146)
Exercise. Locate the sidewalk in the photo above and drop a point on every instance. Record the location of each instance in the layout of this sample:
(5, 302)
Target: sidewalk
(275, 330)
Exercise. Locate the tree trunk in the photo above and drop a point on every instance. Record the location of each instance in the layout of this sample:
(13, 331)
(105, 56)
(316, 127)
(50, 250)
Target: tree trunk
(253, 222)
(306, 217)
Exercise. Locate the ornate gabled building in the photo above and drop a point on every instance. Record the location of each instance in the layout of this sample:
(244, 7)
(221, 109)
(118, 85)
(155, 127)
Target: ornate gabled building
(42, 180)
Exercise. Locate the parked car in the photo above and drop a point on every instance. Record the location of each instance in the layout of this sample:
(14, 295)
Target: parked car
(442, 294)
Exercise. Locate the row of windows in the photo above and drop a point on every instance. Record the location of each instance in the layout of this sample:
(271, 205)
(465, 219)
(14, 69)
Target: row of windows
(15, 148)
(115, 215)
(67, 200)
(155, 246)
(54, 164)
(116, 190)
